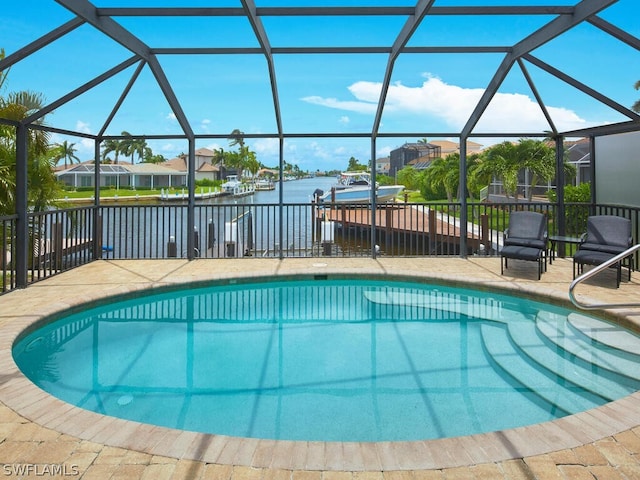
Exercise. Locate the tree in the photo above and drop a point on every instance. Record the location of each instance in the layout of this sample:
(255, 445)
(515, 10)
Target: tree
(236, 138)
(108, 146)
(66, 151)
(479, 174)
(151, 158)
(237, 160)
(42, 183)
(131, 146)
(539, 159)
(252, 164)
(506, 160)
(444, 172)
(409, 177)
(503, 163)
(355, 166)
(636, 106)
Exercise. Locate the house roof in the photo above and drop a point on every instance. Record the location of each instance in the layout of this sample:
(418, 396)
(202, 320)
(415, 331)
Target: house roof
(205, 152)
(120, 169)
(180, 164)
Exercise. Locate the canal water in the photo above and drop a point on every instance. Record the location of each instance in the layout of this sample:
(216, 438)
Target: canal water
(227, 226)
(293, 191)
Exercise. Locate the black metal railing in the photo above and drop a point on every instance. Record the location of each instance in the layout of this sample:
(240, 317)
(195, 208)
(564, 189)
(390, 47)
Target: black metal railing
(63, 239)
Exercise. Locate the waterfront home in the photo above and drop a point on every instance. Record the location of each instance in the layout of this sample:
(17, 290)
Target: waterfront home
(147, 175)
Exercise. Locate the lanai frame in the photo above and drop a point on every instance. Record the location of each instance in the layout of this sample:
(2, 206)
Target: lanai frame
(566, 17)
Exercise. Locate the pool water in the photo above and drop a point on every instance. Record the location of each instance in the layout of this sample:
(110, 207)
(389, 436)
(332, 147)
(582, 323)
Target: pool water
(332, 360)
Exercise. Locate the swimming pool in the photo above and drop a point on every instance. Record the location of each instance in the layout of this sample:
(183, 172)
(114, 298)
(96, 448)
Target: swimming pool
(349, 359)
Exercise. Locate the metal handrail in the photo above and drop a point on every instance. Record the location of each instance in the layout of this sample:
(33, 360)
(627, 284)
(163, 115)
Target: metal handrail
(594, 271)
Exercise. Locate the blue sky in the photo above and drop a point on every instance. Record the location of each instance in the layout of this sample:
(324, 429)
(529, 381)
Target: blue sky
(431, 93)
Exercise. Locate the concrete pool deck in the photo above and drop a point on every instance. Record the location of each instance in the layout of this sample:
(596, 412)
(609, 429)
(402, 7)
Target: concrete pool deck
(41, 433)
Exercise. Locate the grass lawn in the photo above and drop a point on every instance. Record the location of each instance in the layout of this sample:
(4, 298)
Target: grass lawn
(111, 193)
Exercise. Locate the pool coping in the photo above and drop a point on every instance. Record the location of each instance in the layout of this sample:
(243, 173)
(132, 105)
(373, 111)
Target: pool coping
(29, 401)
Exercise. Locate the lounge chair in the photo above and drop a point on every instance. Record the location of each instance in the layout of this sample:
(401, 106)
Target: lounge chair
(606, 237)
(525, 239)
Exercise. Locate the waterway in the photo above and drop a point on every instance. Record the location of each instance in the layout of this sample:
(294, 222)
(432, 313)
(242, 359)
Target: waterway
(293, 191)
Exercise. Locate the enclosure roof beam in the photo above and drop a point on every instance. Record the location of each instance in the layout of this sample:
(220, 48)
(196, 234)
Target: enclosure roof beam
(536, 94)
(582, 87)
(79, 91)
(551, 30)
(43, 41)
(261, 34)
(615, 32)
(403, 37)
(116, 32)
(328, 11)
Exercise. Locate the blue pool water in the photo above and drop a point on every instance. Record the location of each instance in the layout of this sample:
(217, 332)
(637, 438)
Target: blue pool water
(332, 360)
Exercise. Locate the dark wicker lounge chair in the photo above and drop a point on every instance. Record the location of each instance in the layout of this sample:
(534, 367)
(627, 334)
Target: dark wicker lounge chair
(606, 237)
(525, 239)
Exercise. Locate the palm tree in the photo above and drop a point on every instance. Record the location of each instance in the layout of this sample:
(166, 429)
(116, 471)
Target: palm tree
(66, 151)
(540, 159)
(132, 146)
(236, 138)
(504, 162)
(444, 172)
(253, 165)
(109, 146)
(18, 106)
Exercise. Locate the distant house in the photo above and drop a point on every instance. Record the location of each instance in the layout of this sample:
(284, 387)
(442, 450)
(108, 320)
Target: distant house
(383, 165)
(143, 175)
(448, 147)
(204, 165)
(402, 156)
(579, 155)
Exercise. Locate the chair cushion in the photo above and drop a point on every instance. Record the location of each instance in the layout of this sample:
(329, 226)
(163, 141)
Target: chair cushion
(525, 224)
(609, 230)
(596, 247)
(521, 252)
(525, 242)
(592, 257)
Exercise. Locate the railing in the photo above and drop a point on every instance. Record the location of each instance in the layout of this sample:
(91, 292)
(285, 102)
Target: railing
(7, 252)
(63, 239)
(594, 271)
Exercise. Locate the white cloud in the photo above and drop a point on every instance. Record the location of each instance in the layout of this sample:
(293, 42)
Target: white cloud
(204, 125)
(82, 127)
(453, 105)
(352, 106)
(171, 116)
(269, 147)
(344, 120)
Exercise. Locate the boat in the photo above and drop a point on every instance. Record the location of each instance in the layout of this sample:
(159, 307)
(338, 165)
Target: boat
(355, 187)
(231, 186)
(265, 184)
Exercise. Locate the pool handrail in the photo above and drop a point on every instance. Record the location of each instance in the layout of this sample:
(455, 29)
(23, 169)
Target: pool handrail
(586, 275)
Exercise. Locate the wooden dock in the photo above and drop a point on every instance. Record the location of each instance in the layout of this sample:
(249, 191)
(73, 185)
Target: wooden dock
(407, 221)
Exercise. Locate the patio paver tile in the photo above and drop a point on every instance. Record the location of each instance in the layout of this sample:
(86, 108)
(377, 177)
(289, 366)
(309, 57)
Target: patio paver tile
(599, 443)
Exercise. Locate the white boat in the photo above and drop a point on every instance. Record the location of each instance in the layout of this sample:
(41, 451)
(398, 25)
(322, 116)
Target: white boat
(232, 185)
(265, 184)
(355, 187)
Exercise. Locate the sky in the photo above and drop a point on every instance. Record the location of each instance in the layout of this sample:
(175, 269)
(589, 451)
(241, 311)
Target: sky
(430, 94)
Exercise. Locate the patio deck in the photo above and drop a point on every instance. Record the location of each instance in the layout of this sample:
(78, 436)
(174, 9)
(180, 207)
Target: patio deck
(36, 428)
